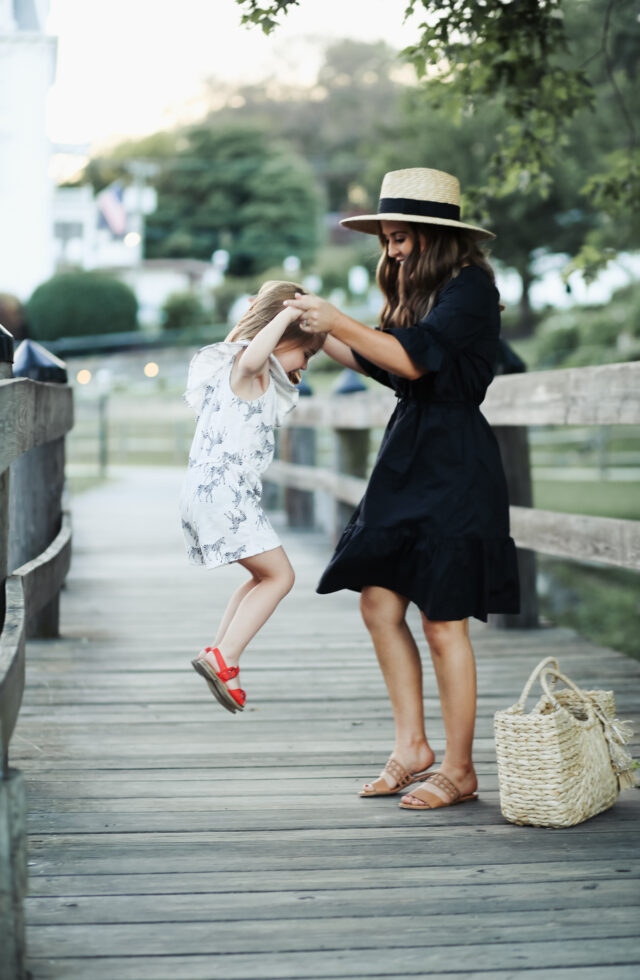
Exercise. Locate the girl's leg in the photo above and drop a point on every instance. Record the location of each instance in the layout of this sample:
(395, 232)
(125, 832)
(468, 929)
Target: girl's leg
(232, 605)
(454, 664)
(383, 612)
(274, 578)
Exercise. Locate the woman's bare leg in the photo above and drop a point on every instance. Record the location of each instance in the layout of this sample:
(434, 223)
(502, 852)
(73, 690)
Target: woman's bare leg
(274, 579)
(383, 612)
(455, 668)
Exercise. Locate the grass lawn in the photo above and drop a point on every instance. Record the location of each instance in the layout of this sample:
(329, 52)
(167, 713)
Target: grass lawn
(599, 499)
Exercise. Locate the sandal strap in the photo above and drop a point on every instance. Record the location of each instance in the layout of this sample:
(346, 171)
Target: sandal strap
(445, 784)
(398, 773)
(224, 673)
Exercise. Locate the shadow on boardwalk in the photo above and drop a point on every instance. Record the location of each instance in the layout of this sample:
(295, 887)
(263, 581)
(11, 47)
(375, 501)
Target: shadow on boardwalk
(169, 839)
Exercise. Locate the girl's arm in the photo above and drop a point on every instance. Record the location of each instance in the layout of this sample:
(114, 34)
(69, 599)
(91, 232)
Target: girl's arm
(341, 353)
(254, 357)
(380, 348)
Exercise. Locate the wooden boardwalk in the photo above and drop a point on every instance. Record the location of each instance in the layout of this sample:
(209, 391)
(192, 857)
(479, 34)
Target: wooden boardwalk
(169, 839)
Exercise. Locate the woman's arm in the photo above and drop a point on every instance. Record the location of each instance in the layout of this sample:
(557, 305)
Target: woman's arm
(380, 348)
(253, 359)
(341, 353)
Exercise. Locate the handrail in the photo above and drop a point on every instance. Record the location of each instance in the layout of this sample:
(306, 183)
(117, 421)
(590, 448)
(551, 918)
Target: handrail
(34, 418)
(607, 394)
(32, 414)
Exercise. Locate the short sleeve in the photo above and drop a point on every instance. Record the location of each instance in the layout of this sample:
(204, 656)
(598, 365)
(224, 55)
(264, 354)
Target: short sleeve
(205, 369)
(466, 309)
(377, 373)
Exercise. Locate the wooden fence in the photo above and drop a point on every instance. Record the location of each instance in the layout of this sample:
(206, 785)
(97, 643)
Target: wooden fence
(35, 547)
(602, 395)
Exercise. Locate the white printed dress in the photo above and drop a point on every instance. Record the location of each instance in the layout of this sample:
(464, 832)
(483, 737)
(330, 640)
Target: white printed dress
(220, 502)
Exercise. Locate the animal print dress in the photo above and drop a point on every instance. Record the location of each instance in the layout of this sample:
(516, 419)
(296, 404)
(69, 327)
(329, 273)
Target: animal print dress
(220, 502)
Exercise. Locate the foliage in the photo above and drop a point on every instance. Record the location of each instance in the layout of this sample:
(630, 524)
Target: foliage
(230, 290)
(599, 603)
(182, 309)
(265, 16)
(556, 346)
(231, 187)
(586, 335)
(77, 304)
(335, 122)
(560, 75)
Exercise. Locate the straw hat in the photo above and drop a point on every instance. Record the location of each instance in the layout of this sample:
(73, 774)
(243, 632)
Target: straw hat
(430, 197)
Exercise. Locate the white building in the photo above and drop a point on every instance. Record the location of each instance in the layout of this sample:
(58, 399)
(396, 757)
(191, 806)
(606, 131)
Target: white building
(27, 71)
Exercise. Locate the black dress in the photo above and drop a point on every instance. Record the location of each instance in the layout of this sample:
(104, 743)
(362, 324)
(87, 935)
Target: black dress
(433, 524)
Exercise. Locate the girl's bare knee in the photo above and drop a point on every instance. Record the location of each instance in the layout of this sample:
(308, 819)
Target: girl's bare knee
(287, 580)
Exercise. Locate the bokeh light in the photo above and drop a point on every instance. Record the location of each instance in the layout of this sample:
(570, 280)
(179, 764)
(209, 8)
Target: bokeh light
(83, 377)
(151, 369)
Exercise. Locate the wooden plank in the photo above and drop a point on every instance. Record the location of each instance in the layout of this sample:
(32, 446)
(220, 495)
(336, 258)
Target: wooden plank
(44, 576)
(573, 876)
(606, 394)
(602, 539)
(375, 933)
(12, 671)
(418, 899)
(31, 413)
(322, 965)
(348, 489)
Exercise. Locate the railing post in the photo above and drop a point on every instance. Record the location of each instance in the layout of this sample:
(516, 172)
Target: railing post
(351, 448)
(13, 857)
(297, 444)
(513, 441)
(351, 457)
(35, 493)
(6, 371)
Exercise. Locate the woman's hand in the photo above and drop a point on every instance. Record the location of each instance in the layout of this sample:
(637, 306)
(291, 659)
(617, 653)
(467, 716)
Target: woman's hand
(317, 316)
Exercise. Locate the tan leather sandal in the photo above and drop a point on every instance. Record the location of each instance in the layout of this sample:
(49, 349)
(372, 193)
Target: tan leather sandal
(436, 791)
(400, 776)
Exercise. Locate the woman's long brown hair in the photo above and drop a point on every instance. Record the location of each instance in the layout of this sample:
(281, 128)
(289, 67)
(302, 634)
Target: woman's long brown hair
(410, 289)
(266, 305)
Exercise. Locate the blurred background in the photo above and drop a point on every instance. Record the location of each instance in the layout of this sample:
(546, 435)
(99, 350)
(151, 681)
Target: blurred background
(159, 161)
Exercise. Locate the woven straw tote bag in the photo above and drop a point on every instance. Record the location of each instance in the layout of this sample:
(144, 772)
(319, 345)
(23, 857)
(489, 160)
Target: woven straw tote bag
(564, 761)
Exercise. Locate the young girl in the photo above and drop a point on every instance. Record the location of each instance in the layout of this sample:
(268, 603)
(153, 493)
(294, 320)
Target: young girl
(240, 390)
(433, 526)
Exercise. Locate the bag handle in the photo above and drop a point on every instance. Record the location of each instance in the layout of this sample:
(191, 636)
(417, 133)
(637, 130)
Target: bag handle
(558, 675)
(549, 664)
(550, 669)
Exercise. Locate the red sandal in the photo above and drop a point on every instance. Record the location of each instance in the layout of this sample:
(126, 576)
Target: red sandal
(231, 699)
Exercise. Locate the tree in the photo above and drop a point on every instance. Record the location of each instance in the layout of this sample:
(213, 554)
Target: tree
(222, 185)
(523, 57)
(331, 121)
(231, 187)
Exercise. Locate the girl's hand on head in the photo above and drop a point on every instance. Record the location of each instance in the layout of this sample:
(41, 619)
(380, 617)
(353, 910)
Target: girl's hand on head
(317, 316)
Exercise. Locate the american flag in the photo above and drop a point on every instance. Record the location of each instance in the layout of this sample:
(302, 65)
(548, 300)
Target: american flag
(112, 213)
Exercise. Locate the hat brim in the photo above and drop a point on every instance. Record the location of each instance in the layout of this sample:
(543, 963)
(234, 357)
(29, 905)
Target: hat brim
(370, 223)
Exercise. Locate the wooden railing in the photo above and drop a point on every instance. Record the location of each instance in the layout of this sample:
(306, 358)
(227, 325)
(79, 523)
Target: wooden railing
(35, 548)
(603, 395)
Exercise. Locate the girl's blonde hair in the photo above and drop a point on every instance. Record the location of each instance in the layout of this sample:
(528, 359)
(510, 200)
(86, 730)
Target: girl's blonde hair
(266, 305)
(411, 289)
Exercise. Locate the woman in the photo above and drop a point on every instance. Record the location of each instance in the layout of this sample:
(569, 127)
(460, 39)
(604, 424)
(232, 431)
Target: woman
(433, 525)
